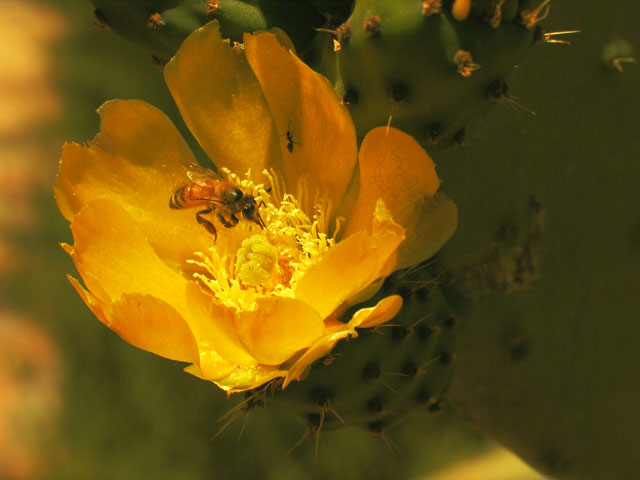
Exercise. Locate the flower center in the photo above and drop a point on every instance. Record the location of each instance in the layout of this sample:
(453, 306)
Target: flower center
(256, 261)
(247, 262)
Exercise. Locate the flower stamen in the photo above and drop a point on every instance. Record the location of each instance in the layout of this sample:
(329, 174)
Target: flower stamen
(239, 271)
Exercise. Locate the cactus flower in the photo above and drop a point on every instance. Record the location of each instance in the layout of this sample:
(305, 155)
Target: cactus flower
(260, 300)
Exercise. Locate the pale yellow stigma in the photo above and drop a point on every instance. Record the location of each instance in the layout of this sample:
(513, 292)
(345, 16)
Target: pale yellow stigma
(256, 261)
(247, 262)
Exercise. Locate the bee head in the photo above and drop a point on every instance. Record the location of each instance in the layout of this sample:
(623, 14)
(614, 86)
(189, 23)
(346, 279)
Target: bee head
(236, 194)
(250, 210)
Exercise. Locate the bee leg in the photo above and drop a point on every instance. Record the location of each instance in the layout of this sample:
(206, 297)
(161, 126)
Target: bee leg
(234, 219)
(224, 221)
(206, 223)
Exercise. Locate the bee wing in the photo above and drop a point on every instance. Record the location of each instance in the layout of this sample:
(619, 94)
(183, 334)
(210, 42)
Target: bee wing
(197, 172)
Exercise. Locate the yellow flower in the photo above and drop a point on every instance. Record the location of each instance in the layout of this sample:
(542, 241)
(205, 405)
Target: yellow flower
(255, 304)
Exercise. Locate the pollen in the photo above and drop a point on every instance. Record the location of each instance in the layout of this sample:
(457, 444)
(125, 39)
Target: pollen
(256, 261)
(247, 262)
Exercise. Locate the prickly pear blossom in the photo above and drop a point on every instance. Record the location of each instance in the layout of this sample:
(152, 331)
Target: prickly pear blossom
(260, 302)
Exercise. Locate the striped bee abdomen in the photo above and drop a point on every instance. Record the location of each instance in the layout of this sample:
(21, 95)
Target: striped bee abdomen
(177, 199)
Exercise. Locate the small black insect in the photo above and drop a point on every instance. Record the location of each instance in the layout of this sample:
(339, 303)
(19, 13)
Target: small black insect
(289, 135)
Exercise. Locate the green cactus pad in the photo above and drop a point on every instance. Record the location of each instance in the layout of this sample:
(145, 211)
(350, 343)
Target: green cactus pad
(547, 255)
(407, 62)
(161, 26)
(412, 64)
(375, 380)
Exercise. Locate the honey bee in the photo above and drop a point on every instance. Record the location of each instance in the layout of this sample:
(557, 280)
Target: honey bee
(209, 190)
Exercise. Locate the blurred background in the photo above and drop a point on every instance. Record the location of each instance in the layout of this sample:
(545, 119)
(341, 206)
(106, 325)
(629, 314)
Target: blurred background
(76, 402)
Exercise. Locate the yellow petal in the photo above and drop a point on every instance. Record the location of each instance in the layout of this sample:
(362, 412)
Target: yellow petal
(137, 160)
(96, 305)
(278, 328)
(145, 322)
(350, 266)
(318, 350)
(215, 325)
(222, 103)
(151, 324)
(114, 259)
(246, 378)
(240, 379)
(211, 366)
(317, 136)
(434, 222)
(283, 39)
(396, 169)
(384, 310)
